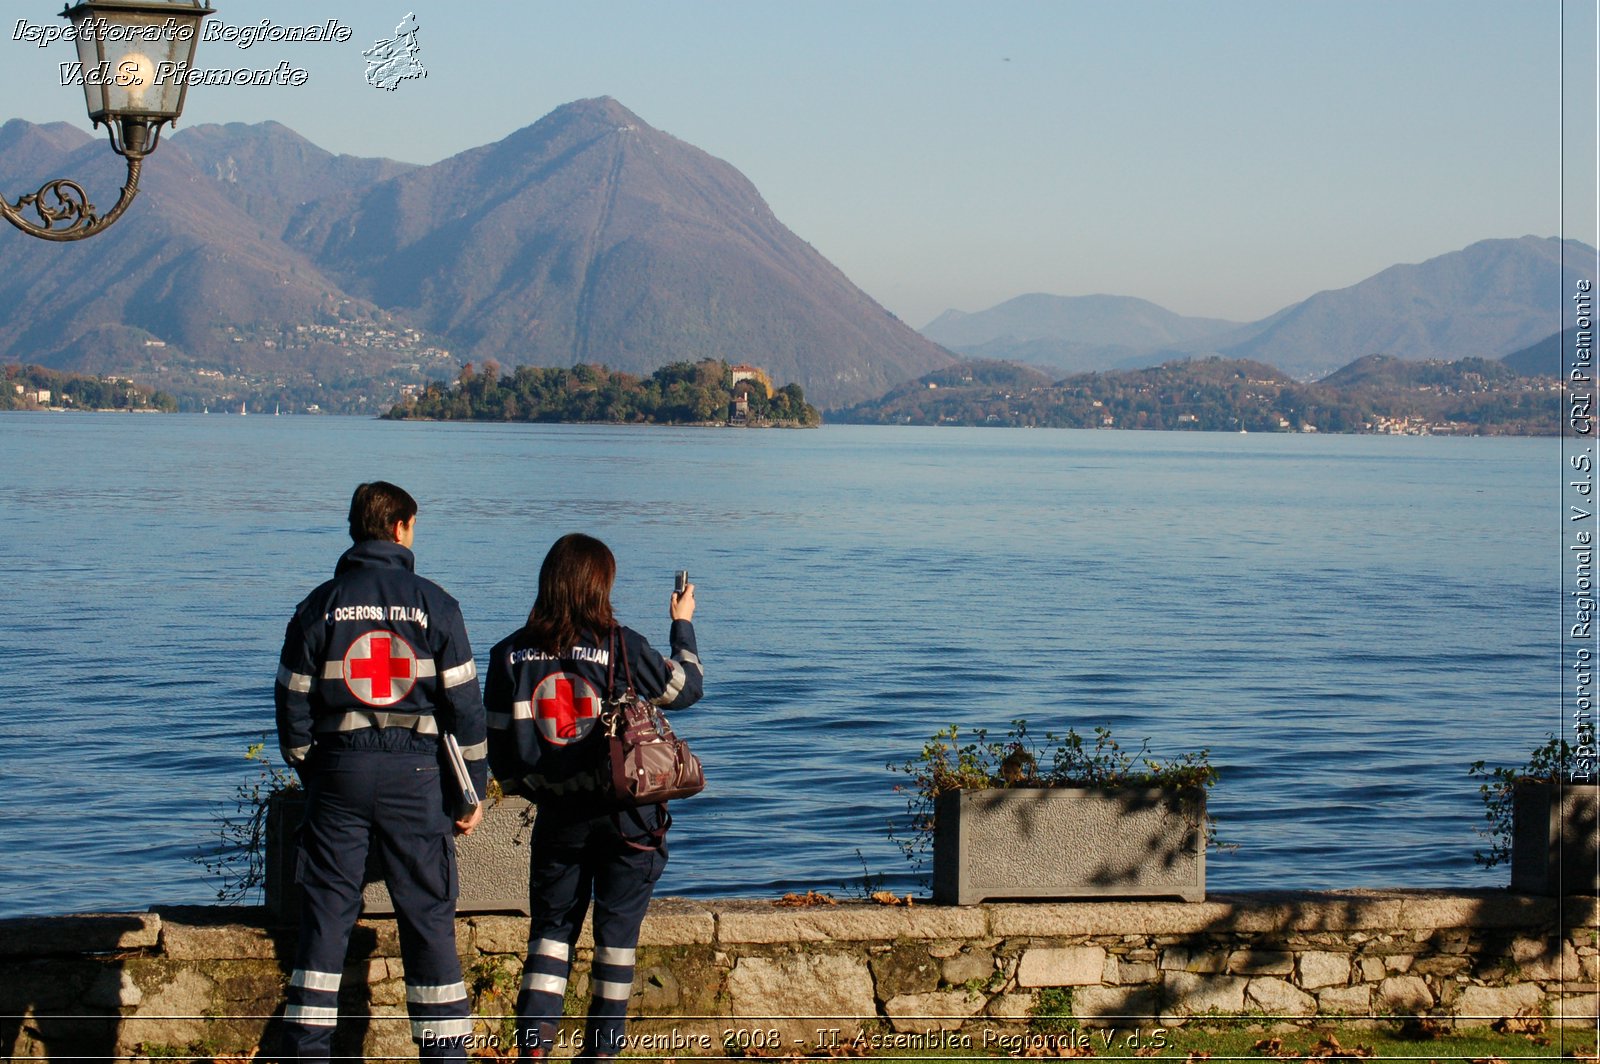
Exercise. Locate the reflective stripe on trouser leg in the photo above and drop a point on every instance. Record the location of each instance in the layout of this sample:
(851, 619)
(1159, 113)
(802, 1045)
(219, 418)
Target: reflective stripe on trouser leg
(439, 1014)
(543, 994)
(313, 1007)
(622, 888)
(611, 984)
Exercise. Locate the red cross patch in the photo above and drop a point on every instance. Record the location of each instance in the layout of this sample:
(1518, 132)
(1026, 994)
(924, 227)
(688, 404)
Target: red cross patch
(380, 669)
(565, 708)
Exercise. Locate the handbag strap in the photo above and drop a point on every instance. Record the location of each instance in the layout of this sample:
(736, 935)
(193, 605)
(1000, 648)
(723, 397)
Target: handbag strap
(618, 648)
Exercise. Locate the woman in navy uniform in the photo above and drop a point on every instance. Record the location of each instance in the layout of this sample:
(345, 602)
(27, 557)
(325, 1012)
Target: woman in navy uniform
(543, 694)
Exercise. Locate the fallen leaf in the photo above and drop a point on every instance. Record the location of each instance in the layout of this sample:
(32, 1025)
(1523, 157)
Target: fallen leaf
(1518, 1025)
(809, 898)
(1423, 1027)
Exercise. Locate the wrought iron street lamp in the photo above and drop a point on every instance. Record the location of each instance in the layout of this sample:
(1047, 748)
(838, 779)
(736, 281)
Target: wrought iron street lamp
(133, 56)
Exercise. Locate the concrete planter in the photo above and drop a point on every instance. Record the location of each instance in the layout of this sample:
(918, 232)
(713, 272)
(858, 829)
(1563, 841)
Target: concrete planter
(491, 863)
(1068, 842)
(1553, 838)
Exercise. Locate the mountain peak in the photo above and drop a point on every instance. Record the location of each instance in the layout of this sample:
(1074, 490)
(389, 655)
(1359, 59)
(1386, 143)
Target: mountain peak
(600, 109)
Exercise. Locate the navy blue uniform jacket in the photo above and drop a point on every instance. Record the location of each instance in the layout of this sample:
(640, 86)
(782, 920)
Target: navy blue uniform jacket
(379, 647)
(542, 708)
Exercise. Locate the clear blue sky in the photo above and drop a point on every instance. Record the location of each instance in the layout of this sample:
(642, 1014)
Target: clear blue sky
(1220, 158)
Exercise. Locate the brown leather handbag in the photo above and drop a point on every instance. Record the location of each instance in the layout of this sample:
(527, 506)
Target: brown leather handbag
(648, 763)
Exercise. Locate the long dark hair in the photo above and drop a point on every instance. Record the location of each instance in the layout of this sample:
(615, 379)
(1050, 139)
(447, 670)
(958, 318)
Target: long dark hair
(574, 593)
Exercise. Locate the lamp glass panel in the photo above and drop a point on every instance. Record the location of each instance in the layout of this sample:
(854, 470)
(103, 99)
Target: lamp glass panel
(145, 56)
(94, 95)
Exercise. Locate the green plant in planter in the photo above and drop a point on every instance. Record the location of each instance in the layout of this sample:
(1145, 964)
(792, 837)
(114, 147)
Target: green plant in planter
(1549, 763)
(1017, 759)
(238, 856)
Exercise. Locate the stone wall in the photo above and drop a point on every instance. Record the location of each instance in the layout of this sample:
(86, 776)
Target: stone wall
(209, 981)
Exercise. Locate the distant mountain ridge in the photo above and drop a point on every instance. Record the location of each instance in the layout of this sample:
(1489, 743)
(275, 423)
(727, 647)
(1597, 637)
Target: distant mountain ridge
(1070, 333)
(1487, 300)
(587, 236)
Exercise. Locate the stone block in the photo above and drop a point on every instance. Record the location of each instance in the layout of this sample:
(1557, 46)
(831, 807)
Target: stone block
(1480, 1005)
(176, 1006)
(1260, 962)
(113, 989)
(942, 1010)
(1557, 961)
(904, 970)
(1180, 959)
(1100, 1004)
(677, 922)
(758, 922)
(961, 967)
(1010, 1006)
(1278, 997)
(493, 934)
(1404, 995)
(1127, 973)
(831, 989)
(43, 936)
(1065, 966)
(1399, 963)
(1372, 969)
(202, 937)
(661, 990)
(1319, 968)
(1440, 966)
(1345, 1001)
(1573, 1010)
(1193, 993)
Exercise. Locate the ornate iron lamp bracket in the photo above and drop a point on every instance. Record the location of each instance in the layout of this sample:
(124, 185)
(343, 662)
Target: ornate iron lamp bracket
(64, 210)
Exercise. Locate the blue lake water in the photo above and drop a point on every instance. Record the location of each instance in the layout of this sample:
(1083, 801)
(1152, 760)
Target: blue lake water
(1347, 622)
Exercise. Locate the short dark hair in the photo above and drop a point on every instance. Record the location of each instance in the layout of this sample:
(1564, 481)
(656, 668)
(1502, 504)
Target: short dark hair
(574, 593)
(375, 507)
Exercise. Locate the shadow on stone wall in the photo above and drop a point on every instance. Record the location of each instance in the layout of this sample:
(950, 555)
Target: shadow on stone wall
(63, 983)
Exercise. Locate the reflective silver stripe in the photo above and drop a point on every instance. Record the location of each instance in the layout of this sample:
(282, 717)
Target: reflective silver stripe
(611, 991)
(548, 984)
(498, 721)
(421, 723)
(436, 995)
(441, 1028)
(459, 675)
(551, 947)
(334, 670)
(475, 752)
(688, 657)
(297, 682)
(311, 1015)
(315, 980)
(674, 688)
(522, 710)
(613, 955)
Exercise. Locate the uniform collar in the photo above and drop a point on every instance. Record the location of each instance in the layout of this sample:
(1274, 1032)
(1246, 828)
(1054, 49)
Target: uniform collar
(375, 553)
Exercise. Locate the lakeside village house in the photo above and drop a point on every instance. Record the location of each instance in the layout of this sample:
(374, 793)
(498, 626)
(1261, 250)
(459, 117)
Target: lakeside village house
(750, 377)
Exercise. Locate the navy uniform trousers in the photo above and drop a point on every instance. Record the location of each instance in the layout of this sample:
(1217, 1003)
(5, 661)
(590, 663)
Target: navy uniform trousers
(573, 859)
(393, 799)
